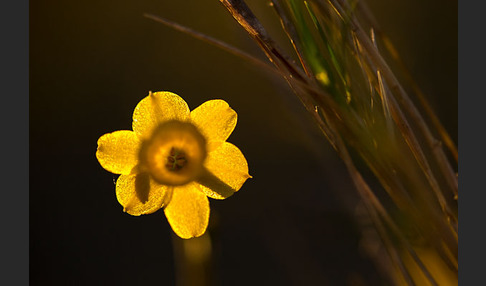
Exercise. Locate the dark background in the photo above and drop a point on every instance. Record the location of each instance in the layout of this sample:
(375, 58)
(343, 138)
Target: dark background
(91, 62)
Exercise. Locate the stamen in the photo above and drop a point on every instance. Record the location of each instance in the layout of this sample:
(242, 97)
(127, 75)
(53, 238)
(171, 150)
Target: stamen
(176, 160)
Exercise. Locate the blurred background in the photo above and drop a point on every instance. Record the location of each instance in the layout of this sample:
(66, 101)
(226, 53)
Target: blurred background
(297, 222)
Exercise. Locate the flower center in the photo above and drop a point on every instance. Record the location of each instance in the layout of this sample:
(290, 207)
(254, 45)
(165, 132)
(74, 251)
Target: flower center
(176, 160)
(174, 154)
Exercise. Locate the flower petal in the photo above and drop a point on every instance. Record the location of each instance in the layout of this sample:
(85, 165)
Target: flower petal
(227, 170)
(138, 194)
(188, 211)
(156, 108)
(118, 151)
(215, 119)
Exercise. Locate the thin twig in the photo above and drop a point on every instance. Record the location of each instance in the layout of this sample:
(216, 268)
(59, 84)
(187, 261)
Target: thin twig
(220, 44)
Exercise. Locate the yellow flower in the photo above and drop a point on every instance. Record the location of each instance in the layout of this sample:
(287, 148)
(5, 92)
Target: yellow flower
(174, 159)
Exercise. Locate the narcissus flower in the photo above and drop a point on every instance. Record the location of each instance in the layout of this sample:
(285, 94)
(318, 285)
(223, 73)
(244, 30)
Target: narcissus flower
(174, 159)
